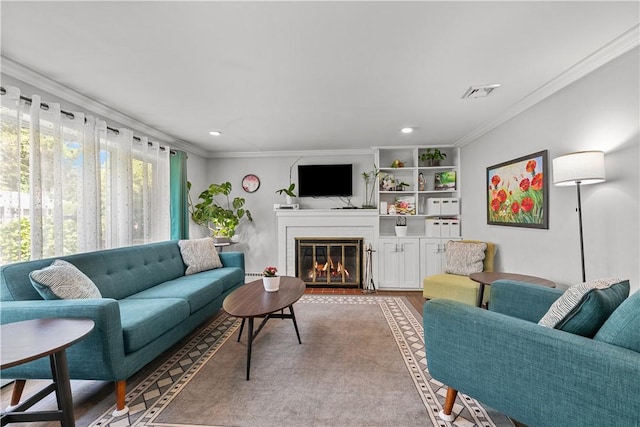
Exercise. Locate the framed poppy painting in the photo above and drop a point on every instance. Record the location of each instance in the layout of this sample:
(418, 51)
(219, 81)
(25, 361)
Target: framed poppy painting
(518, 192)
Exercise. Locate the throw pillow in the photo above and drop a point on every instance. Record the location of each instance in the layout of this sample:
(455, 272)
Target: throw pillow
(621, 328)
(199, 255)
(583, 308)
(464, 258)
(63, 280)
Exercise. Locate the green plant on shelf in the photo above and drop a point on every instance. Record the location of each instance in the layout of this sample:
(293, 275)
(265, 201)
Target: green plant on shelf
(433, 156)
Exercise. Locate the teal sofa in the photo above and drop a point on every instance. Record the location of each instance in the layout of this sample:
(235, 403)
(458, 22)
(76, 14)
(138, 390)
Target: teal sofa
(534, 374)
(147, 305)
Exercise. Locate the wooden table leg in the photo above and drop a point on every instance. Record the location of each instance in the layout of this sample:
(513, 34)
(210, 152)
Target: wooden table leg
(60, 373)
(295, 324)
(249, 342)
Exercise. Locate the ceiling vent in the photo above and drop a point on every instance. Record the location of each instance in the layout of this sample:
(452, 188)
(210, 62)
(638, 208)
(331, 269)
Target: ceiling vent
(480, 91)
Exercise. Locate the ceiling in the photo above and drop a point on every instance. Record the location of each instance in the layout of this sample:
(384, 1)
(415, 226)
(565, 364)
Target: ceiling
(284, 76)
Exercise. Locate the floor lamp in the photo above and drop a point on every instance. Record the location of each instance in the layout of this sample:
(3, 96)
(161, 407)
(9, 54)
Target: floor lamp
(581, 168)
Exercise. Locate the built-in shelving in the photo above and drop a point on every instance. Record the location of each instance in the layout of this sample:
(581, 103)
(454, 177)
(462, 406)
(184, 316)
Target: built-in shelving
(433, 219)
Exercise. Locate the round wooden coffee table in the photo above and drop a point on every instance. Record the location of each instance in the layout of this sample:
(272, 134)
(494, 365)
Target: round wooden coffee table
(251, 301)
(487, 278)
(29, 340)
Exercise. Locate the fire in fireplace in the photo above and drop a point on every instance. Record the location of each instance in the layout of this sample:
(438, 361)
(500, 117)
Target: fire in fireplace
(329, 261)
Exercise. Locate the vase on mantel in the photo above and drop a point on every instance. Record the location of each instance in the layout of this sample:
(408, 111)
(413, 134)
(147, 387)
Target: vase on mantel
(271, 284)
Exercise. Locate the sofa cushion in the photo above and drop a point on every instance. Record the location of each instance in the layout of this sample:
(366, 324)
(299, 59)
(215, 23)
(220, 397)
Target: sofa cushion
(454, 287)
(199, 255)
(622, 328)
(464, 258)
(197, 289)
(63, 280)
(144, 320)
(583, 308)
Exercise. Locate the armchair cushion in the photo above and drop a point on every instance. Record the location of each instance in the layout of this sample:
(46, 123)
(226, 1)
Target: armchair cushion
(583, 308)
(63, 280)
(622, 327)
(199, 255)
(464, 258)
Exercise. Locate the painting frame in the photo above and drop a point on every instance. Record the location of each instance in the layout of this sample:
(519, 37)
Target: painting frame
(518, 192)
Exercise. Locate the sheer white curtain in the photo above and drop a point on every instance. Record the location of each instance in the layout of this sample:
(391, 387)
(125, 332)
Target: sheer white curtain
(68, 184)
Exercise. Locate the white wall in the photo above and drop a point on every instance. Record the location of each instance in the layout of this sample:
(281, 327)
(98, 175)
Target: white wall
(598, 112)
(258, 239)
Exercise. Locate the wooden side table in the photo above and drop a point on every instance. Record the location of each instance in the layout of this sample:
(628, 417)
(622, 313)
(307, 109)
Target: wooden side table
(487, 278)
(29, 340)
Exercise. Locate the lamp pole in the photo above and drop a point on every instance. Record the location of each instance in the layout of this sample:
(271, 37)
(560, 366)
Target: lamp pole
(584, 279)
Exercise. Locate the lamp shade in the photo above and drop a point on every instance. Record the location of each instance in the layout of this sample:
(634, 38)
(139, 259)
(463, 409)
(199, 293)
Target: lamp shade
(585, 167)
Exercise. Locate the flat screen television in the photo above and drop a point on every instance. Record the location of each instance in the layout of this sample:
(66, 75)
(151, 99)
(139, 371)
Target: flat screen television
(325, 180)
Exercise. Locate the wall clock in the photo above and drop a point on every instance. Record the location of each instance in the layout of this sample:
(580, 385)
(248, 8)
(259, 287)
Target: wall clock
(250, 183)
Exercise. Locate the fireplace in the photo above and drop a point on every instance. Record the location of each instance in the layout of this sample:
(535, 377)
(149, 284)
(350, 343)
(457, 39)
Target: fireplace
(329, 261)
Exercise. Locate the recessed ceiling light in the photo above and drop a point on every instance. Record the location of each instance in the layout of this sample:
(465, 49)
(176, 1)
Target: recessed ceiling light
(406, 130)
(215, 133)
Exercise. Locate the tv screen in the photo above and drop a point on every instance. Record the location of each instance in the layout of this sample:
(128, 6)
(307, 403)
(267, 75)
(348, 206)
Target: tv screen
(324, 180)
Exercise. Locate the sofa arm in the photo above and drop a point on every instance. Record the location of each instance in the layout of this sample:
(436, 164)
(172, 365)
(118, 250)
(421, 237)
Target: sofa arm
(537, 375)
(509, 296)
(99, 356)
(232, 259)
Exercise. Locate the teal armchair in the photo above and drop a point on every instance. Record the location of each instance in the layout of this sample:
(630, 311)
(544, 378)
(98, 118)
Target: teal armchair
(536, 375)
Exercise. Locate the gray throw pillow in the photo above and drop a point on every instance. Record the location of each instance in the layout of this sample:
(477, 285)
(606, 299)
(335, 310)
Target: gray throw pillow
(583, 308)
(63, 280)
(199, 255)
(464, 258)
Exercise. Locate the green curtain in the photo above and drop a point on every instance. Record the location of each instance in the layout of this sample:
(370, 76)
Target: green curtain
(179, 196)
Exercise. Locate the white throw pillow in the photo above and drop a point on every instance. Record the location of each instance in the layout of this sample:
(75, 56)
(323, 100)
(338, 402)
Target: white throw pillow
(199, 255)
(464, 258)
(63, 280)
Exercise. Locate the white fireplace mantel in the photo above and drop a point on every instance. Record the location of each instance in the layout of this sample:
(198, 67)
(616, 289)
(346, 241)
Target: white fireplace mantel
(322, 223)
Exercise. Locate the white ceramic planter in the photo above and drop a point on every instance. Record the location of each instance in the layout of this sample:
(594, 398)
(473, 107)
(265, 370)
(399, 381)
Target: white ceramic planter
(271, 284)
(401, 230)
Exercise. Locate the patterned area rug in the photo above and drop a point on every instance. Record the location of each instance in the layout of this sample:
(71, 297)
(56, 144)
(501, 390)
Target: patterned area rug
(361, 363)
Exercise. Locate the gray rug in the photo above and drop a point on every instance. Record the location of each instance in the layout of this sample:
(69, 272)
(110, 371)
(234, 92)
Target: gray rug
(361, 363)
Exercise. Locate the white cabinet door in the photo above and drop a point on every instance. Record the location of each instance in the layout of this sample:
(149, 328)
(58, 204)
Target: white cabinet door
(399, 263)
(432, 257)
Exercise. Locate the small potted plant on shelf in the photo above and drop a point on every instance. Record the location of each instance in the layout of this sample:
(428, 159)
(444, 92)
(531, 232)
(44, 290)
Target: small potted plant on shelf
(401, 226)
(432, 157)
(270, 279)
(220, 218)
(400, 186)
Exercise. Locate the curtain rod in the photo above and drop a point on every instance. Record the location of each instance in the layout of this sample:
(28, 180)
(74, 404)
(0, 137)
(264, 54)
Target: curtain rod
(72, 116)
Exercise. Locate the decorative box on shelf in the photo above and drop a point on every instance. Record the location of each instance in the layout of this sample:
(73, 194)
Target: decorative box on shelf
(439, 227)
(443, 206)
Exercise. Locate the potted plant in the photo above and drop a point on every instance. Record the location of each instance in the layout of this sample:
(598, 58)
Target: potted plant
(433, 156)
(370, 178)
(288, 191)
(400, 186)
(220, 218)
(401, 226)
(270, 279)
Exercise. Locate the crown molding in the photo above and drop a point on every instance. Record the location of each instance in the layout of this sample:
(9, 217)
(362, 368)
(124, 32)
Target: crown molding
(298, 153)
(619, 46)
(33, 78)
